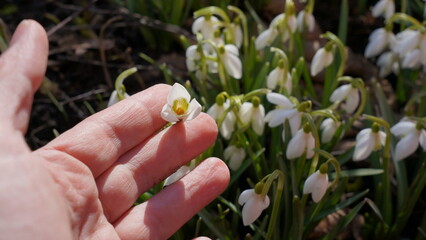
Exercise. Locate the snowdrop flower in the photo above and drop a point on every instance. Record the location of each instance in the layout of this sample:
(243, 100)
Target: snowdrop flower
(216, 110)
(367, 141)
(193, 59)
(302, 142)
(388, 62)
(266, 38)
(347, 93)
(231, 61)
(285, 109)
(278, 76)
(235, 155)
(206, 25)
(113, 99)
(385, 8)
(322, 59)
(406, 41)
(180, 173)
(412, 134)
(412, 59)
(317, 184)
(253, 205)
(254, 113)
(329, 128)
(305, 20)
(178, 106)
(378, 41)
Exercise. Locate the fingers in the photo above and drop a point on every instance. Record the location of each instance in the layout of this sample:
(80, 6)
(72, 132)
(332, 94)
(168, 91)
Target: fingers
(166, 212)
(152, 161)
(102, 138)
(22, 67)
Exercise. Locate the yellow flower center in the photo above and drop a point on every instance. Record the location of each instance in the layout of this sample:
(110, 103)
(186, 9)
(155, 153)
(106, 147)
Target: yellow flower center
(180, 106)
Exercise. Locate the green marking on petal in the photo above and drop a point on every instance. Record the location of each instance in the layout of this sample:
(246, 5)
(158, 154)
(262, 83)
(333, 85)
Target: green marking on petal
(180, 106)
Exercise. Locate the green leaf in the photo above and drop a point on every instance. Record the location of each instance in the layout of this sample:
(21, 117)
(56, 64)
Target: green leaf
(341, 205)
(345, 221)
(361, 172)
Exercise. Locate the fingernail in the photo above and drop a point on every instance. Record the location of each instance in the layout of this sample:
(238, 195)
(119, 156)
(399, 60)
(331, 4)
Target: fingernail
(21, 31)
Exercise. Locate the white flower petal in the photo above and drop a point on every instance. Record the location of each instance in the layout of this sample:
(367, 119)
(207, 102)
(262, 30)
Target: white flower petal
(402, 128)
(422, 139)
(232, 62)
(246, 112)
(310, 145)
(168, 114)
(178, 91)
(352, 101)
(412, 59)
(273, 77)
(194, 109)
(406, 146)
(266, 38)
(258, 120)
(340, 93)
(297, 145)
(181, 172)
(245, 196)
(280, 100)
(316, 184)
(253, 208)
(364, 145)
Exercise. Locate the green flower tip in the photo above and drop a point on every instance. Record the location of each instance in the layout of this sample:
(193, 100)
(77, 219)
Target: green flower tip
(375, 127)
(259, 187)
(221, 49)
(304, 106)
(307, 128)
(281, 63)
(220, 99)
(256, 101)
(323, 168)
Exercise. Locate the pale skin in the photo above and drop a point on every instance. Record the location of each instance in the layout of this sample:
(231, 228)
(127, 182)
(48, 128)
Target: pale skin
(82, 185)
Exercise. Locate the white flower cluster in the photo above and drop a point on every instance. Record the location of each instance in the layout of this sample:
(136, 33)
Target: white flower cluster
(406, 49)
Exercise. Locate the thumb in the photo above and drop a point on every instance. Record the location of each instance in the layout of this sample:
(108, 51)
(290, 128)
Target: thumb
(22, 66)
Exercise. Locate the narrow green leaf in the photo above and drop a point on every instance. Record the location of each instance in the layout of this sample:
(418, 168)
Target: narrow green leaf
(361, 172)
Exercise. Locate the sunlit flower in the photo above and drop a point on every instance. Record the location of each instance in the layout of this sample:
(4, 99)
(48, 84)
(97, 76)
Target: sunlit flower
(322, 59)
(253, 113)
(113, 99)
(302, 142)
(388, 63)
(346, 93)
(317, 184)
(253, 205)
(385, 8)
(235, 155)
(378, 41)
(278, 77)
(328, 127)
(206, 25)
(180, 173)
(406, 41)
(231, 61)
(285, 109)
(228, 124)
(178, 106)
(412, 134)
(305, 20)
(367, 141)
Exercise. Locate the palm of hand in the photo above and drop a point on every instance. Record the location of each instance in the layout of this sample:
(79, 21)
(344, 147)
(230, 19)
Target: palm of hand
(83, 184)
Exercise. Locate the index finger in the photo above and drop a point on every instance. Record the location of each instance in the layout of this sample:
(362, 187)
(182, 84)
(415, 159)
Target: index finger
(101, 139)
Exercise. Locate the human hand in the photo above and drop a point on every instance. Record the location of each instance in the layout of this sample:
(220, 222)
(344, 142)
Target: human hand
(83, 184)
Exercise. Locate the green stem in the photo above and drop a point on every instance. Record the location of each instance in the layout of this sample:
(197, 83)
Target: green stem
(342, 50)
(119, 87)
(275, 210)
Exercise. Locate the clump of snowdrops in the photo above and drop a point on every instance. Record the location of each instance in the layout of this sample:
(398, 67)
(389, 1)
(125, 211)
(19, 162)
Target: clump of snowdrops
(282, 134)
